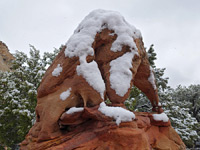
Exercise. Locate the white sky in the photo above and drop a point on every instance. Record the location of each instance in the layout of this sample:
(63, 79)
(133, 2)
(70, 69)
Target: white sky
(173, 26)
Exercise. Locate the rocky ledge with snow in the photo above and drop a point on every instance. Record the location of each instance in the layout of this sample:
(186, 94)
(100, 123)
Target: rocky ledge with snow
(101, 133)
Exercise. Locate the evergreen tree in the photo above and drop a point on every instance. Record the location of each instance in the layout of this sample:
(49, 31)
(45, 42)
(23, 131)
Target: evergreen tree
(161, 81)
(18, 93)
(190, 97)
(177, 107)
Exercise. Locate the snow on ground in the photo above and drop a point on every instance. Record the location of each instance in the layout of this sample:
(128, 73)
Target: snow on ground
(118, 113)
(151, 78)
(80, 45)
(65, 95)
(74, 109)
(92, 75)
(160, 117)
(120, 73)
(56, 72)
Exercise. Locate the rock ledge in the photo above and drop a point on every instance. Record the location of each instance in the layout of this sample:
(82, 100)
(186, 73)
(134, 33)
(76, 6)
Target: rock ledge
(101, 133)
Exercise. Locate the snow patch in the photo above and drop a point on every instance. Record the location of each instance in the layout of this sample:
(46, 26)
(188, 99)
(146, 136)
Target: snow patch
(112, 34)
(80, 43)
(41, 72)
(56, 72)
(92, 75)
(151, 78)
(118, 113)
(74, 110)
(65, 95)
(160, 117)
(120, 73)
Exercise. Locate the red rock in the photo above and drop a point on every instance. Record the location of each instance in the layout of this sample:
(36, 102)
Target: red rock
(5, 57)
(50, 107)
(89, 129)
(102, 135)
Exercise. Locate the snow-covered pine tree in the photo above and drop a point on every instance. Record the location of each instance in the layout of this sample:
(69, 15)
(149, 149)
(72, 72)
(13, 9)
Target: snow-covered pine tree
(190, 97)
(161, 81)
(14, 112)
(177, 106)
(18, 92)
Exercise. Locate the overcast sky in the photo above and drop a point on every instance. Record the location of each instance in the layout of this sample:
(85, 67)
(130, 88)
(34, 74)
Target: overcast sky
(173, 26)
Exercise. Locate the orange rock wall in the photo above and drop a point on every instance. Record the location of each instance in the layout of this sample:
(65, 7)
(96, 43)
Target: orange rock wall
(5, 57)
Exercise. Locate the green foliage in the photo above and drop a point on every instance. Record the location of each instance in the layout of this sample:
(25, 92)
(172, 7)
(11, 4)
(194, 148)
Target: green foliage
(151, 56)
(18, 95)
(177, 106)
(161, 81)
(190, 98)
(130, 103)
(49, 57)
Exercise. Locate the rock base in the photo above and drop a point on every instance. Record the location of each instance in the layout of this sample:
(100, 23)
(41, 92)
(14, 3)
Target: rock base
(144, 133)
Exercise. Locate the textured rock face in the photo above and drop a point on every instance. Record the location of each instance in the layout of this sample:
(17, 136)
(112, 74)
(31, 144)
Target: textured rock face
(50, 106)
(103, 59)
(101, 133)
(5, 57)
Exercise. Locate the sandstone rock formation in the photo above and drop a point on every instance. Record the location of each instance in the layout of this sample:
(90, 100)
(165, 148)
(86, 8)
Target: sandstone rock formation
(5, 57)
(103, 59)
(101, 133)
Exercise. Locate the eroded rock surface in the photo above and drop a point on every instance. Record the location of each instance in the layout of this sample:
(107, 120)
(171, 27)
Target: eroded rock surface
(5, 57)
(103, 59)
(101, 133)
